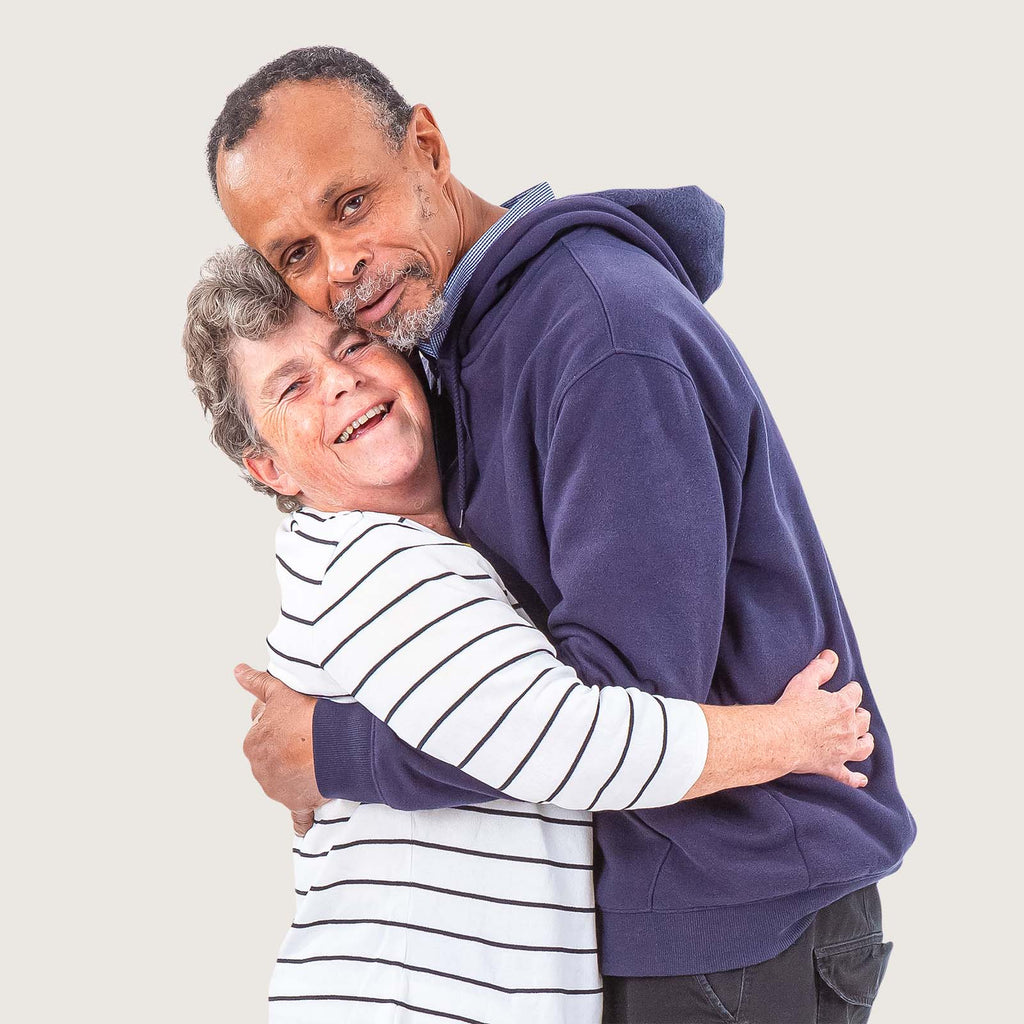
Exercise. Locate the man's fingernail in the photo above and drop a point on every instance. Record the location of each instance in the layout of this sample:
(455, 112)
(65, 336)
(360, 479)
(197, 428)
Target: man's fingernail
(828, 656)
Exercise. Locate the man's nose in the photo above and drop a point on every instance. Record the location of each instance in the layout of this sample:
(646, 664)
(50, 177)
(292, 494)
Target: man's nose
(345, 265)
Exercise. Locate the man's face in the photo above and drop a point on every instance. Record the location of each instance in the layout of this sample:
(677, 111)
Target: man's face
(308, 388)
(353, 226)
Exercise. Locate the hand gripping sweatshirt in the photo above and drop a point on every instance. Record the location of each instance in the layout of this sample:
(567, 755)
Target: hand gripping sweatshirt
(612, 456)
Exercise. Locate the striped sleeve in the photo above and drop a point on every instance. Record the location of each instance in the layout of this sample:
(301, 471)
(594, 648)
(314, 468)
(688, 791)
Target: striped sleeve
(418, 629)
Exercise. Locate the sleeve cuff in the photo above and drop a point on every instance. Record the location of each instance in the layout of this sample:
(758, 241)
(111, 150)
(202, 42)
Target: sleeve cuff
(343, 752)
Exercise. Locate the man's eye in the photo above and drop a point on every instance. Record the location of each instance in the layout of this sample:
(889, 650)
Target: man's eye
(297, 255)
(352, 205)
(354, 348)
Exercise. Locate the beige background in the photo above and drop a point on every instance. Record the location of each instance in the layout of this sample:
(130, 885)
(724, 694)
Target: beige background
(867, 159)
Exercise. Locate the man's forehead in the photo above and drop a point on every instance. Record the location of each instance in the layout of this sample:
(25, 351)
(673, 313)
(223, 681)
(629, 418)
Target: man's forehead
(314, 139)
(323, 120)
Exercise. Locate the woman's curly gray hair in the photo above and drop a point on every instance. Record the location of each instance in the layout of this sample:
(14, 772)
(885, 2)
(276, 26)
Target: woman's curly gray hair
(238, 296)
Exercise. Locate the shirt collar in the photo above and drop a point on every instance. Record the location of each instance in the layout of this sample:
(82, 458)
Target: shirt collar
(518, 206)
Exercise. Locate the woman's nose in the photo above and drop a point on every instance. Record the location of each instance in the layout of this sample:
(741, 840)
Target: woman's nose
(340, 379)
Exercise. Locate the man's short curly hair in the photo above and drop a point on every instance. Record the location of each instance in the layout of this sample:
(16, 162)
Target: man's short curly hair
(238, 295)
(244, 107)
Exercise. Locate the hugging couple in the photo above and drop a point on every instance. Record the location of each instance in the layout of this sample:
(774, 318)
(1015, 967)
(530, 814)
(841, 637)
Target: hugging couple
(547, 693)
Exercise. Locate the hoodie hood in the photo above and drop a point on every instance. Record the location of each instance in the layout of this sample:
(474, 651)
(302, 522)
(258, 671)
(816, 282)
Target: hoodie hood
(682, 227)
(690, 221)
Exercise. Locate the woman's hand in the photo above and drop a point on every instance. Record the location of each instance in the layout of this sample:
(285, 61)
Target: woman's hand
(828, 729)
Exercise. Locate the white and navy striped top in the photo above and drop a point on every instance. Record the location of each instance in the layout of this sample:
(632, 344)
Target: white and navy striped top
(477, 914)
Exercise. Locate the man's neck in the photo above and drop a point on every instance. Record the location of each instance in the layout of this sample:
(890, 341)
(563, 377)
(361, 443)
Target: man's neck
(474, 214)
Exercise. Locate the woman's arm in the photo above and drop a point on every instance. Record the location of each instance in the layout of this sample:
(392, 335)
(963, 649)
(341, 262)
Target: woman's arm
(428, 644)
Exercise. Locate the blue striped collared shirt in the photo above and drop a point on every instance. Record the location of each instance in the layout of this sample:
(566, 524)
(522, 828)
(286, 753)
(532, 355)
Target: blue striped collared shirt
(518, 206)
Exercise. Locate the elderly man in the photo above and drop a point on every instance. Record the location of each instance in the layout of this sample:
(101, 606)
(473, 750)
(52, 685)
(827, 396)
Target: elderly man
(607, 449)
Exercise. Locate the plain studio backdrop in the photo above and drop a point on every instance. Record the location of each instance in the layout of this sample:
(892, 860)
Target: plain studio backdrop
(867, 158)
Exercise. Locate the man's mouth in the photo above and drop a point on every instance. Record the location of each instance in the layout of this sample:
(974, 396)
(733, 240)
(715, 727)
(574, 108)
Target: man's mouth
(366, 421)
(378, 308)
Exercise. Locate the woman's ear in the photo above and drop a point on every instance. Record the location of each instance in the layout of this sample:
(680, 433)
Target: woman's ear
(265, 470)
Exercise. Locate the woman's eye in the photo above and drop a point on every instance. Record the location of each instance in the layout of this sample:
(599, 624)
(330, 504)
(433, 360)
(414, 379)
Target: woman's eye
(355, 348)
(352, 205)
(291, 389)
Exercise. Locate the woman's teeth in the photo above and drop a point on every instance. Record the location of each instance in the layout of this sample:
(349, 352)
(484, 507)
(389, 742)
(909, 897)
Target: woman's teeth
(377, 410)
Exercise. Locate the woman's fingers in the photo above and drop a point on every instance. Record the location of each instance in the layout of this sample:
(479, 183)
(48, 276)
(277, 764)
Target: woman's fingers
(863, 717)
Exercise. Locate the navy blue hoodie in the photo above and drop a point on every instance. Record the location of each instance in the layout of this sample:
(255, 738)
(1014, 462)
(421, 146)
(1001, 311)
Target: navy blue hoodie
(614, 459)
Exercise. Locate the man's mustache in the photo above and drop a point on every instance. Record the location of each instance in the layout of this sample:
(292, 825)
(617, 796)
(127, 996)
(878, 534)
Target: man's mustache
(344, 309)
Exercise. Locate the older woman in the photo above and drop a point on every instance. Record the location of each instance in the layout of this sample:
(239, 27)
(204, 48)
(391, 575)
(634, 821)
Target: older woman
(482, 913)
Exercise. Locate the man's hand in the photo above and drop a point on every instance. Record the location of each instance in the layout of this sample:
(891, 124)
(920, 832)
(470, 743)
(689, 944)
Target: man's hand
(279, 745)
(829, 729)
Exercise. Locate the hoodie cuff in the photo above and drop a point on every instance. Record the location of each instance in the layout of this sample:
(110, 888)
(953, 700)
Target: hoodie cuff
(343, 752)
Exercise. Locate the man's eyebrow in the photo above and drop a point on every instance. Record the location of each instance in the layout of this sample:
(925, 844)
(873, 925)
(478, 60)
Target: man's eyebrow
(287, 369)
(274, 248)
(331, 191)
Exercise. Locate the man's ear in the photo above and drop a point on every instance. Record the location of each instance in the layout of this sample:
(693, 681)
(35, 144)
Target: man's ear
(265, 470)
(426, 137)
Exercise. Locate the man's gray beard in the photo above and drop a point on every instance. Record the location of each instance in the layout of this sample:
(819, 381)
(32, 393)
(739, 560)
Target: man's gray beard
(404, 330)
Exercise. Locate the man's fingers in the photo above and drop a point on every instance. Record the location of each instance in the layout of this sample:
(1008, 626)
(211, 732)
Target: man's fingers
(259, 684)
(302, 821)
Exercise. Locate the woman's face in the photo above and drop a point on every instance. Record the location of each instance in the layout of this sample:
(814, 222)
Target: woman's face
(345, 418)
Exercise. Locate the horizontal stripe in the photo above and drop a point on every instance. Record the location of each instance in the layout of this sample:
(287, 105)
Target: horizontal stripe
(379, 1001)
(480, 897)
(355, 586)
(352, 958)
(518, 947)
(488, 855)
(584, 823)
(376, 526)
(315, 540)
(332, 821)
(297, 575)
(369, 622)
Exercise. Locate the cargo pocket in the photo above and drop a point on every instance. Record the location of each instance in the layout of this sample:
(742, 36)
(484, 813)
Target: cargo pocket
(724, 991)
(849, 976)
